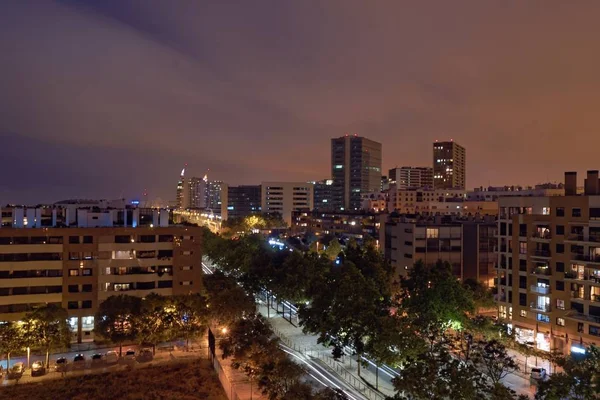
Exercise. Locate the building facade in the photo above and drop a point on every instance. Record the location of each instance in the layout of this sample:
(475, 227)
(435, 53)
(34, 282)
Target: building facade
(356, 224)
(323, 195)
(355, 169)
(285, 197)
(468, 244)
(549, 267)
(213, 197)
(240, 201)
(80, 266)
(411, 177)
(449, 165)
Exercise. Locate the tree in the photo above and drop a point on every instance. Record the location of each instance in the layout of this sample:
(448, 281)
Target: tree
(11, 339)
(333, 249)
(279, 377)
(433, 300)
(47, 328)
(579, 381)
(116, 319)
(492, 358)
(482, 295)
(155, 322)
(192, 315)
(227, 301)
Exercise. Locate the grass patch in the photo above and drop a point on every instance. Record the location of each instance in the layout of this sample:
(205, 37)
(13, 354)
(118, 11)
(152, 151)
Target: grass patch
(181, 380)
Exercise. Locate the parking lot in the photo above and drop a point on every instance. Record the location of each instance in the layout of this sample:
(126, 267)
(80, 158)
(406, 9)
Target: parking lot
(94, 361)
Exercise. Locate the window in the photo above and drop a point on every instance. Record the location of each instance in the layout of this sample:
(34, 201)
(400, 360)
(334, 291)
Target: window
(73, 288)
(522, 265)
(576, 212)
(73, 272)
(560, 229)
(186, 253)
(545, 210)
(523, 313)
(432, 233)
(165, 284)
(522, 282)
(86, 288)
(560, 248)
(543, 318)
(72, 305)
(560, 321)
(86, 304)
(560, 266)
(523, 299)
(560, 211)
(87, 272)
(88, 239)
(186, 283)
(523, 247)
(594, 330)
(560, 304)
(560, 286)
(74, 239)
(186, 268)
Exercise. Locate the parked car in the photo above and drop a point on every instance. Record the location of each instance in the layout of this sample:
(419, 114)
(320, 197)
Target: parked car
(97, 360)
(16, 371)
(111, 357)
(145, 355)
(129, 355)
(538, 374)
(38, 368)
(61, 364)
(79, 361)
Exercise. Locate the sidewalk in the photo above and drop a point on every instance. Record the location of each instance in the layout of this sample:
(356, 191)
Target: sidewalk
(236, 384)
(346, 367)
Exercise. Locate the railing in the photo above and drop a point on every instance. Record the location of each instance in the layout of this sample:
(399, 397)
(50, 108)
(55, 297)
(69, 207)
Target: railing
(541, 253)
(539, 289)
(583, 257)
(581, 238)
(540, 307)
(541, 271)
(542, 235)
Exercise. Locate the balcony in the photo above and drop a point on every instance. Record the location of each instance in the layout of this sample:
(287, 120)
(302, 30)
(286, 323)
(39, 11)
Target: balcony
(541, 253)
(544, 235)
(540, 307)
(576, 295)
(595, 298)
(592, 258)
(579, 237)
(541, 271)
(575, 276)
(539, 289)
(582, 317)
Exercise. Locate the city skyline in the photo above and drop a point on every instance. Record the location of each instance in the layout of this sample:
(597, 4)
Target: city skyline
(147, 87)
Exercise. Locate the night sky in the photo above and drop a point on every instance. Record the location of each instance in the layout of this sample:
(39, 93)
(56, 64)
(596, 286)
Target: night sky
(101, 99)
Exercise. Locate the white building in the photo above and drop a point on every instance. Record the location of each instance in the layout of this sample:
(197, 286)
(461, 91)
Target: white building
(285, 197)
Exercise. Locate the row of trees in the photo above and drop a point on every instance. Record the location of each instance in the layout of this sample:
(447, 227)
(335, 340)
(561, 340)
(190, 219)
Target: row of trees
(46, 329)
(421, 323)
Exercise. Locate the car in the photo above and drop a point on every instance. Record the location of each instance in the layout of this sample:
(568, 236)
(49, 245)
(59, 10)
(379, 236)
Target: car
(129, 355)
(97, 360)
(145, 355)
(79, 361)
(111, 357)
(538, 374)
(38, 368)
(16, 371)
(61, 364)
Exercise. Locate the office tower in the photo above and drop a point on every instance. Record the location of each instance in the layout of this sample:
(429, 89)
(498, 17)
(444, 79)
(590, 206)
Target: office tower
(355, 169)
(195, 192)
(411, 177)
(284, 197)
(240, 201)
(77, 257)
(449, 165)
(179, 202)
(548, 284)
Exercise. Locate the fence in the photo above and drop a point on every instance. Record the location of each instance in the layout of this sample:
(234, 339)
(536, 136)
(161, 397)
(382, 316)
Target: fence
(349, 377)
(228, 386)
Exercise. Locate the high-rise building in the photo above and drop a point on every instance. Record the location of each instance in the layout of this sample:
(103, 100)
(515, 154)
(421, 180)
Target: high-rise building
(355, 169)
(449, 165)
(195, 192)
(240, 201)
(179, 202)
(548, 265)
(411, 177)
(284, 197)
(213, 196)
(76, 258)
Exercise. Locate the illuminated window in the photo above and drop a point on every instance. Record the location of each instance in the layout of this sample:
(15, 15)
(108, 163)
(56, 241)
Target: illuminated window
(523, 313)
(432, 233)
(560, 321)
(73, 272)
(338, 166)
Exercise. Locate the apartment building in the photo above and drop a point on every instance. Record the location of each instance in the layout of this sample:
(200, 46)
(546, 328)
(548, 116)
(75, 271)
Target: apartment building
(549, 267)
(285, 197)
(411, 177)
(77, 267)
(449, 165)
(467, 243)
(357, 224)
